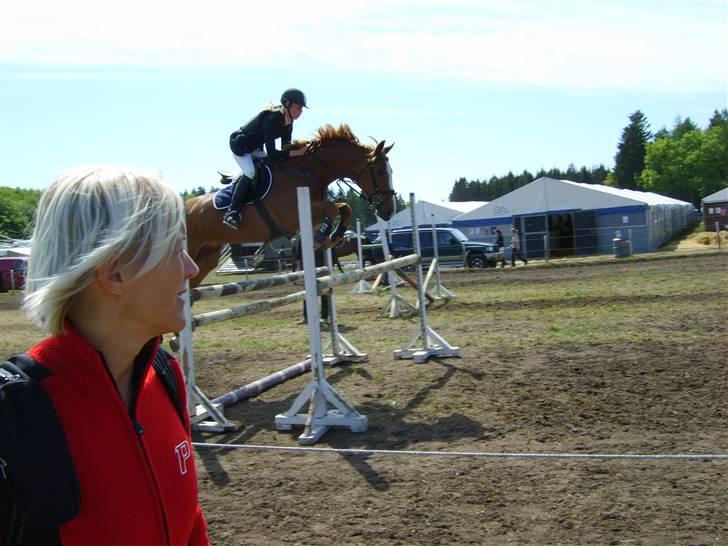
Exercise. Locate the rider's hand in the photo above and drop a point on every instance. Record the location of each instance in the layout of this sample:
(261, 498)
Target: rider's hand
(297, 152)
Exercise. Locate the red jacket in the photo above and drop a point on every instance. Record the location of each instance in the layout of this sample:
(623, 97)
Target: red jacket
(138, 480)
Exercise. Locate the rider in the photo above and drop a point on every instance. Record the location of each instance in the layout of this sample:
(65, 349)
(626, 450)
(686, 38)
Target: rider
(247, 143)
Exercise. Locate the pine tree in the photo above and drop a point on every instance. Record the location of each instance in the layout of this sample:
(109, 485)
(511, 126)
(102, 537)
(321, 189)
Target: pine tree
(630, 159)
(683, 127)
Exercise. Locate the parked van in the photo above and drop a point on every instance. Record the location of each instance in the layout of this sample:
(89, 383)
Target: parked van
(453, 248)
(12, 272)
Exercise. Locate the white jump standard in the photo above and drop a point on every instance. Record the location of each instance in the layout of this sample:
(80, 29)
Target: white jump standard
(362, 287)
(433, 345)
(393, 308)
(341, 348)
(440, 291)
(318, 394)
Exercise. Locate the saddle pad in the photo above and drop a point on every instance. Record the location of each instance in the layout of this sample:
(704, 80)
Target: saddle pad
(263, 184)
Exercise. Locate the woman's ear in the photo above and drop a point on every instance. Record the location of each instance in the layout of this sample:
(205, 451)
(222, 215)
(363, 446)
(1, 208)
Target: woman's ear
(109, 277)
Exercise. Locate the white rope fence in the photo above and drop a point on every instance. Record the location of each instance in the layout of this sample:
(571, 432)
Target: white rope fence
(344, 451)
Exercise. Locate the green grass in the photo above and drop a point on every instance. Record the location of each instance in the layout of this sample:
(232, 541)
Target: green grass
(545, 305)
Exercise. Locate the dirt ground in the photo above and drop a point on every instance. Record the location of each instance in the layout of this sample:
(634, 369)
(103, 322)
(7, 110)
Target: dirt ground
(643, 396)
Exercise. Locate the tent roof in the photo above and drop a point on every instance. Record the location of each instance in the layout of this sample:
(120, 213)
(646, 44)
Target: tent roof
(548, 194)
(424, 211)
(464, 206)
(721, 196)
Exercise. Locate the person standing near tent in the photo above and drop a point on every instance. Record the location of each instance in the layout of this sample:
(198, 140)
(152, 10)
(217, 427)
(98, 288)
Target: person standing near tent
(500, 243)
(516, 247)
(106, 279)
(248, 143)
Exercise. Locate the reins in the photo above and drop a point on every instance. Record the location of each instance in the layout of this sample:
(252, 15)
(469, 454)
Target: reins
(374, 199)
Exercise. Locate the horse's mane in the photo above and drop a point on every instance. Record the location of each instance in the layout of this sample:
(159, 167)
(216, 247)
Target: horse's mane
(328, 132)
(342, 132)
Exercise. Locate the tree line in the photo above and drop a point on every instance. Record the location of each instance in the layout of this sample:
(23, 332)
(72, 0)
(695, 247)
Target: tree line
(685, 163)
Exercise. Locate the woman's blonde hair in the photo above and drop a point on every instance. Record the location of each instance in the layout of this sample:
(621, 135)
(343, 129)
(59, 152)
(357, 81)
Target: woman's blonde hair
(88, 217)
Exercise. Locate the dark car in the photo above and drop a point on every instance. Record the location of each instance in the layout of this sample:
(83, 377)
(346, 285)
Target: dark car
(12, 272)
(453, 248)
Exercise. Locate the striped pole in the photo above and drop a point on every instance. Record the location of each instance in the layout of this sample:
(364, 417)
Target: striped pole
(228, 289)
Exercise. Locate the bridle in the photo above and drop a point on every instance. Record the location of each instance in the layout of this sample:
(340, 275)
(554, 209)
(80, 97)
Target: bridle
(375, 198)
(378, 195)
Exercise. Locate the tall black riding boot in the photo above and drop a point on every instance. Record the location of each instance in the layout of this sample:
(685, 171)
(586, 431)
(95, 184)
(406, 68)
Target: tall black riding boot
(241, 194)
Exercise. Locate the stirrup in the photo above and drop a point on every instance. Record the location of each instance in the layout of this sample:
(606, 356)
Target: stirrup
(232, 219)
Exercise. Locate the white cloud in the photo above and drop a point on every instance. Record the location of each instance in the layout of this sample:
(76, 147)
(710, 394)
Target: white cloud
(607, 45)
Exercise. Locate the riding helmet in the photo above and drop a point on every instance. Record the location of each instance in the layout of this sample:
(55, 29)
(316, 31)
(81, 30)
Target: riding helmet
(295, 96)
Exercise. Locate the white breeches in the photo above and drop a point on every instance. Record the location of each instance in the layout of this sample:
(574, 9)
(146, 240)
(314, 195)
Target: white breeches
(245, 162)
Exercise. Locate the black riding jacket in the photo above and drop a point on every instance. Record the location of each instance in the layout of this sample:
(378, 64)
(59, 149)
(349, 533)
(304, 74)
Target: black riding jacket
(263, 130)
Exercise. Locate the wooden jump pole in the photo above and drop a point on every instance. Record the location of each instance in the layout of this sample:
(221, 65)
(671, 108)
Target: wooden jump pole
(263, 384)
(228, 289)
(245, 309)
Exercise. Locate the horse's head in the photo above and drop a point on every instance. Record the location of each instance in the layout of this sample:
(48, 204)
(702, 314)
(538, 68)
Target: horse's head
(337, 152)
(375, 180)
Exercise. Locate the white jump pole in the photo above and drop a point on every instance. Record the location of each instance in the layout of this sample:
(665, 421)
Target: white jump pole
(433, 345)
(341, 349)
(318, 393)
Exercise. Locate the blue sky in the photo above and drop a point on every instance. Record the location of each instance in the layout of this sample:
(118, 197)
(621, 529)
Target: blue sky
(463, 88)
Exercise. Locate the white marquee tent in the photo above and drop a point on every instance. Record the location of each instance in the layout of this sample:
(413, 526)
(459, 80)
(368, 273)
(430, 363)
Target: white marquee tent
(578, 218)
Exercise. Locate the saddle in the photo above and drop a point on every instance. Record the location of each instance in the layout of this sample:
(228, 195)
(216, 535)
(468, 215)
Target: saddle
(261, 186)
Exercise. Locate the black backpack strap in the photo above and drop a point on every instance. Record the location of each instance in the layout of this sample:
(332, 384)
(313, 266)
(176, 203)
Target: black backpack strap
(164, 370)
(27, 366)
(39, 489)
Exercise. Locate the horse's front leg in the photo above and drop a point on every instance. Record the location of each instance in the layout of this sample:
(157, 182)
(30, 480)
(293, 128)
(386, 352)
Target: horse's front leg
(324, 213)
(344, 212)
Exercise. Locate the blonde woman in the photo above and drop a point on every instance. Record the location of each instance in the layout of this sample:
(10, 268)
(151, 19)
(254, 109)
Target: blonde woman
(106, 279)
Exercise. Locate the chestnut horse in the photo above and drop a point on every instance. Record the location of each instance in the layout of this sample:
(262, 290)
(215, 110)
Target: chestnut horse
(333, 154)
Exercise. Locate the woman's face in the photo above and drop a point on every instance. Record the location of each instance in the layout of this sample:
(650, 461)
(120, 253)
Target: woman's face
(295, 111)
(155, 301)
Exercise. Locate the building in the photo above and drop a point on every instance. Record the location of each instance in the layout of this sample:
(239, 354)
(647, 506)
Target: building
(564, 218)
(715, 209)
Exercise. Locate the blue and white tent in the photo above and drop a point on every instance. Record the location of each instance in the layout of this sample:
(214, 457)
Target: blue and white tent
(560, 217)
